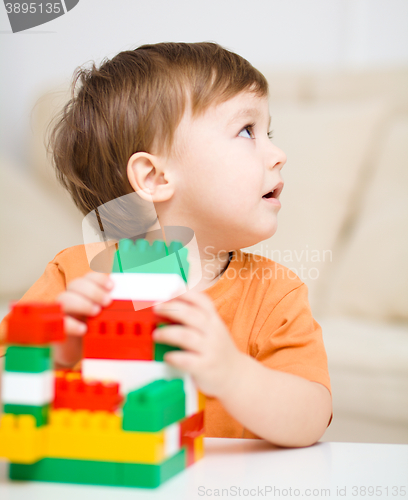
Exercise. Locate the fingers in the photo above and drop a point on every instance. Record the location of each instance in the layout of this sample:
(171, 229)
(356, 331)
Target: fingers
(186, 361)
(86, 295)
(199, 299)
(78, 305)
(179, 336)
(93, 286)
(182, 312)
(74, 326)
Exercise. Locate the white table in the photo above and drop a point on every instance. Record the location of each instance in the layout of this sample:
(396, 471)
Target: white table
(250, 464)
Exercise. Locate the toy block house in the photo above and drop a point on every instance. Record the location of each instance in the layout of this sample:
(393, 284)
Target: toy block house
(128, 418)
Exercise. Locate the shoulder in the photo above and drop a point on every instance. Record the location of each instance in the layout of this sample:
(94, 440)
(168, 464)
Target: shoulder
(79, 260)
(72, 262)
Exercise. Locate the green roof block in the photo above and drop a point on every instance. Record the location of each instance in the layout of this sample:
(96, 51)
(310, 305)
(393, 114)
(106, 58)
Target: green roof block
(154, 406)
(141, 257)
(28, 359)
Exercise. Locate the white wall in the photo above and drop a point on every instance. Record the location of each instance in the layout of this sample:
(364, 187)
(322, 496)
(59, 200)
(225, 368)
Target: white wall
(288, 34)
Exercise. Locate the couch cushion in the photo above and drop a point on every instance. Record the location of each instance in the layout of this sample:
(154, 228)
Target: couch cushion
(36, 224)
(368, 368)
(371, 278)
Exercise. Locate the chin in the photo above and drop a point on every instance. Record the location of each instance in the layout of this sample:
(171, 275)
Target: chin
(253, 239)
(267, 230)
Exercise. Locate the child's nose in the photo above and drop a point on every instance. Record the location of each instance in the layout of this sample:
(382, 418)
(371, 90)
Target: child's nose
(277, 159)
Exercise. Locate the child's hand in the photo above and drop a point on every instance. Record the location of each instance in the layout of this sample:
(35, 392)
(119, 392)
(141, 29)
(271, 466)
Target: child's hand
(210, 356)
(83, 297)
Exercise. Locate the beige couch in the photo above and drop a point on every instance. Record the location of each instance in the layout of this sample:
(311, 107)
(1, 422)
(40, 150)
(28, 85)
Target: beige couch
(342, 229)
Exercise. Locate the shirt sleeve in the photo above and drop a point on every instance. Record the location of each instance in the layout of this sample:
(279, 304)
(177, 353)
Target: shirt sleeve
(46, 289)
(291, 341)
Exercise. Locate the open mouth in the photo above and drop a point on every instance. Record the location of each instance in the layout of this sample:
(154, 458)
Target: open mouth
(274, 193)
(269, 195)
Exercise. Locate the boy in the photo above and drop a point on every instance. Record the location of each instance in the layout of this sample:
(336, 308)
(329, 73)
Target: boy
(185, 125)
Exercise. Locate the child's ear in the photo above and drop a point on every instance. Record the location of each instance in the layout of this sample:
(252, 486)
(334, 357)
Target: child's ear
(148, 178)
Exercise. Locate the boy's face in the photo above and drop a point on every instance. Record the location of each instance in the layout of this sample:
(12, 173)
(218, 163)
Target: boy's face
(222, 171)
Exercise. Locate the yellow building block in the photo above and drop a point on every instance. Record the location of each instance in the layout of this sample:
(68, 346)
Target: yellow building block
(85, 435)
(201, 401)
(199, 447)
(21, 441)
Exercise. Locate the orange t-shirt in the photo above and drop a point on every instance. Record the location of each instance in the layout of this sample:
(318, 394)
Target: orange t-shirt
(263, 304)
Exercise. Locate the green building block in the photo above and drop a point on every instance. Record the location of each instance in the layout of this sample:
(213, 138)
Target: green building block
(154, 406)
(141, 257)
(161, 349)
(151, 476)
(63, 470)
(28, 359)
(40, 413)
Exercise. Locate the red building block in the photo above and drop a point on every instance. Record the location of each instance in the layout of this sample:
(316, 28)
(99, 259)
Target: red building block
(190, 428)
(35, 323)
(71, 391)
(120, 332)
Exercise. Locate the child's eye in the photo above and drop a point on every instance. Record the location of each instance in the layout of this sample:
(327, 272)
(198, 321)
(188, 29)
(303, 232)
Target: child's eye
(247, 128)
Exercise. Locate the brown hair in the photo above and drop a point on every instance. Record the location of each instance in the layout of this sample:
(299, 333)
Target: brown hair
(134, 102)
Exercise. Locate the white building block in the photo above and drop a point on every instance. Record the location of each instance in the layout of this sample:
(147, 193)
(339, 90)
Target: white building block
(172, 439)
(20, 388)
(132, 375)
(146, 286)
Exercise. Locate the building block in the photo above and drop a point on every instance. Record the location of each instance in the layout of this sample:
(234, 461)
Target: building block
(146, 286)
(161, 349)
(68, 471)
(35, 323)
(28, 359)
(154, 406)
(21, 440)
(141, 257)
(73, 392)
(172, 439)
(100, 473)
(85, 435)
(188, 445)
(201, 401)
(40, 413)
(132, 375)
(190, 429)
(151, 476)
(191, 394)
(132, 254)
(124, 334)
(199, 448)
(193, 425)
(20, 388)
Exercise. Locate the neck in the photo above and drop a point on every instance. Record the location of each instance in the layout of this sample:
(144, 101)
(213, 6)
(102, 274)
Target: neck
(205, 265)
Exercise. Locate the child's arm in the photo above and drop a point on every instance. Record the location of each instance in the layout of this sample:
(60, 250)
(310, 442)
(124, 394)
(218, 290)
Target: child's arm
(83, 297)
(285, 409)
(282, 408)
